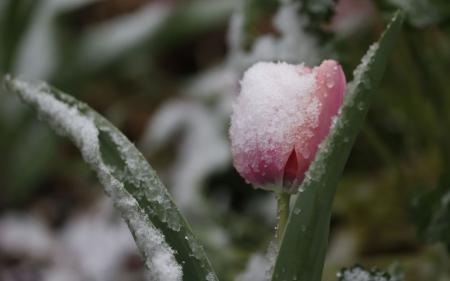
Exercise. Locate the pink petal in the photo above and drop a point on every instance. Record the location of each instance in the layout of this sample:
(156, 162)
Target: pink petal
(330, 90)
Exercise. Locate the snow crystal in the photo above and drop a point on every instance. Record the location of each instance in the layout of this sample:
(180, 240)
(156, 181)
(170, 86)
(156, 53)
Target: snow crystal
(211, 277)
(356, 274)
(160, 258)
(271, 257)
(145, 179)
(197, 249)
(362, 67)
(68, 120)
(274, 104)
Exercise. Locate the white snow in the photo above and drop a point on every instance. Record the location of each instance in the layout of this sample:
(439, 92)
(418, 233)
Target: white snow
(360, 274)
(211, 277)
(25, 235)
(357, 274)
(92, 245)
(275, 101)
(362, 67)
(95, 242)
(293, 44)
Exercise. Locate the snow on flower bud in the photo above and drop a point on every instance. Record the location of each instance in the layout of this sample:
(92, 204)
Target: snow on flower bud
(281, 115)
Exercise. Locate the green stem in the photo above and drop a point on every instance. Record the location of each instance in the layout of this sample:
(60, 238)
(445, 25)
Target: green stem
(282, 213)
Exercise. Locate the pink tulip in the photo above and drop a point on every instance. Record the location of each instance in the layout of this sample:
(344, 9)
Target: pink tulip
(281, 116)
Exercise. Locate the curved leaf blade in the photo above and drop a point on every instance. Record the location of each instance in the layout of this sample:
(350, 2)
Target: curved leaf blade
(303, 248)
(165, 240)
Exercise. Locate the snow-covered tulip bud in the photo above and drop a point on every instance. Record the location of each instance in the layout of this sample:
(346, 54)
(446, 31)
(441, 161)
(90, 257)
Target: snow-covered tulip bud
(281, 115)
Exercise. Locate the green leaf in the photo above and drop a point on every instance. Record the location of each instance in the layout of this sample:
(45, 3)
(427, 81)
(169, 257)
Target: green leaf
(164, 238)
(303, 247)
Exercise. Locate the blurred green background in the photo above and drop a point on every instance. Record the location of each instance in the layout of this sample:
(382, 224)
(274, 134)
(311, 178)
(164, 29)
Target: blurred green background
(166, 72)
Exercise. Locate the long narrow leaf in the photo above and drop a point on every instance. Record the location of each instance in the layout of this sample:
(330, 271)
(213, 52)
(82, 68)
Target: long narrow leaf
(302, 250)
(170, 251)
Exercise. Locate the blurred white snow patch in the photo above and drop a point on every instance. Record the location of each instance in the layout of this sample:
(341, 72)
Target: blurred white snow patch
(211, 277)
(25, 235)
(255, 269)
(203, 148)
(38, 52)
(111, 38)
(97, 242)
(92, 246)
(260, 267)
(343, 248)
(218, 237)
(57, 274)
(235, 35)
(213, 82)
(219, 84)
(294, 44)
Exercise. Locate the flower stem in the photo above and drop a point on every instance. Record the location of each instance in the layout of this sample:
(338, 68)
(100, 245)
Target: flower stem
(282, 213)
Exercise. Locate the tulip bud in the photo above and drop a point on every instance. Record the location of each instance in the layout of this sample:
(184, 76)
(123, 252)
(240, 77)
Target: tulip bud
(281, 116)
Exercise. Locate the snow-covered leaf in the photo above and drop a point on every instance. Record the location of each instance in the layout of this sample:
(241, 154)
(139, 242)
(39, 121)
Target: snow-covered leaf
(168, 247)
